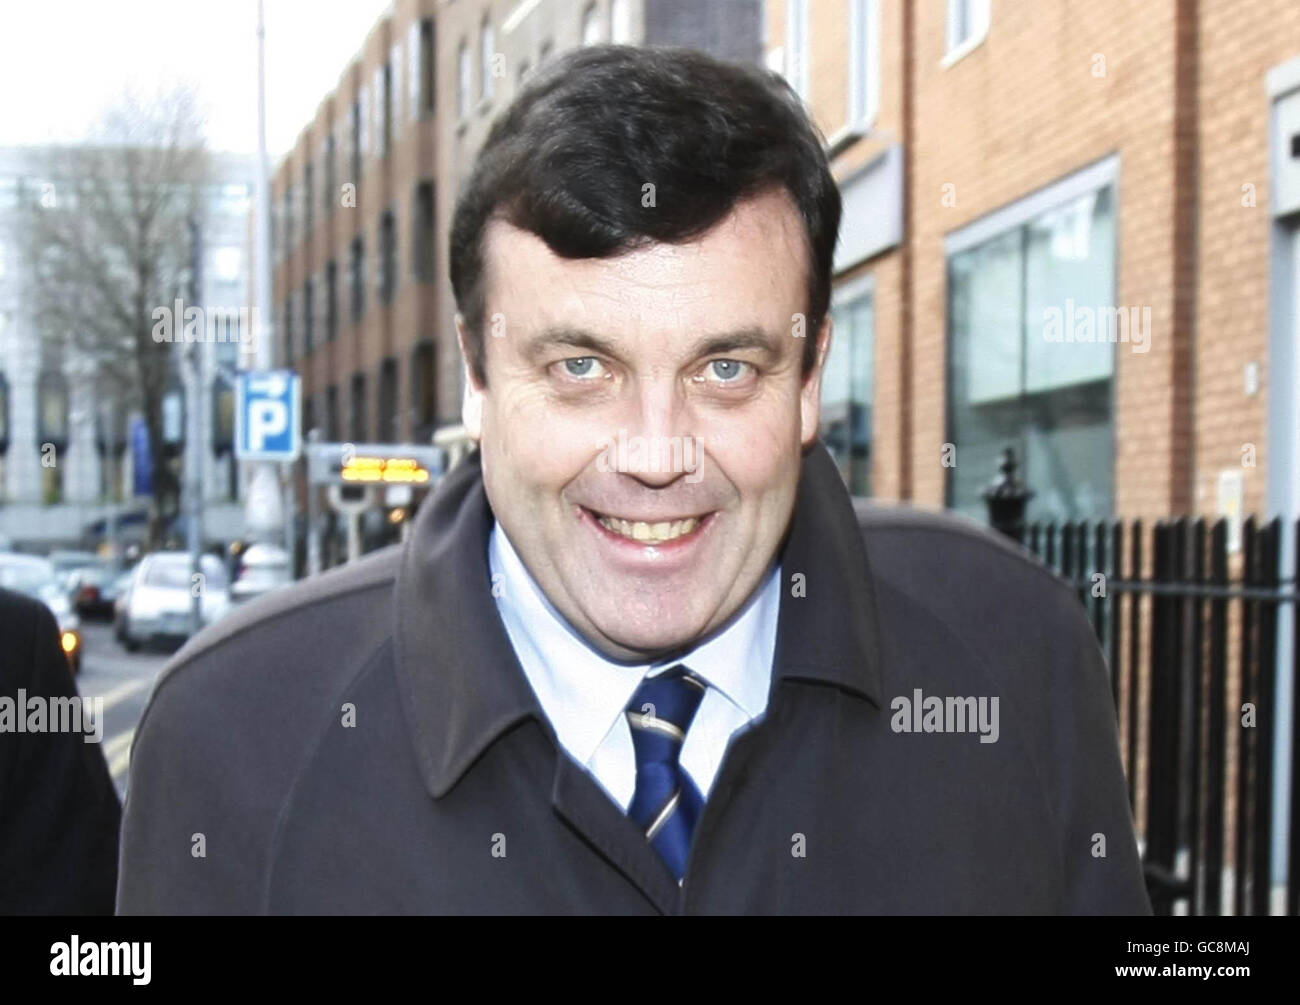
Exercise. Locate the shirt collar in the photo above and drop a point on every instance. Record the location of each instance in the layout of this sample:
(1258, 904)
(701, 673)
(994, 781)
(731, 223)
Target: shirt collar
(583, 692)
(462, 685)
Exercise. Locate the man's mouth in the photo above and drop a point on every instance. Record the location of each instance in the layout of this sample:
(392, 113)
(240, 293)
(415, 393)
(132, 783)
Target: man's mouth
(648, 532)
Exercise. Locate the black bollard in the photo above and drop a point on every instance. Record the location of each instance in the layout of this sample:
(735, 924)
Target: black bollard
(1007, 497)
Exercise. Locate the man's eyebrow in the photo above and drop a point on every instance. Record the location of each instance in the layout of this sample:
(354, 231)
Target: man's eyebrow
(566, 335)
(579, 338)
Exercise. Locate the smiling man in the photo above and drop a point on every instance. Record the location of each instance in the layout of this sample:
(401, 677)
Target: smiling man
(642, 653)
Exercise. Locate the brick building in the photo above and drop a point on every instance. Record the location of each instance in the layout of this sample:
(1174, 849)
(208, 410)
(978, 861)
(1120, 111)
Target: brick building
(1015, 174)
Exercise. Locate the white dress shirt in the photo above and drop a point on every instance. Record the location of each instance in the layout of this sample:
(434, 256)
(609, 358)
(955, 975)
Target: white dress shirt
(584, 694)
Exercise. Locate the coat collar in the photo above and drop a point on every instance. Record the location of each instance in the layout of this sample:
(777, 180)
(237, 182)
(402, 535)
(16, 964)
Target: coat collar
(462, 686)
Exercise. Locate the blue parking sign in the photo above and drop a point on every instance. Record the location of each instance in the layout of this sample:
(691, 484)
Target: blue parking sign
(266, 416)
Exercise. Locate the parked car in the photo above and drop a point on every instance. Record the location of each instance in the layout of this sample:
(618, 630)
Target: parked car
(67, 562)
(92, 590)
(38, 578)
(123, 588)
(156, 606)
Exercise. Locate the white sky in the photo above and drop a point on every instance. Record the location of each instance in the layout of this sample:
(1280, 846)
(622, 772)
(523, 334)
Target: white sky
(61, 60)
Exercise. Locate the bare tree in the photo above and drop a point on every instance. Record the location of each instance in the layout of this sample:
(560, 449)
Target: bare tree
(107, 236)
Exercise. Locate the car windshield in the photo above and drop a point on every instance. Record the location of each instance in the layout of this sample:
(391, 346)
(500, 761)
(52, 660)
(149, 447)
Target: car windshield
(35, 577)
(91, 575)
(68, 561)
(173, 573)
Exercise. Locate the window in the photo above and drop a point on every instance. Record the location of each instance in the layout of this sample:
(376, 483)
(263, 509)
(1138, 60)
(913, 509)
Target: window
(354, 129)
(415, 59)
(388, 430)
(464, 81)
(308, 414)
(864, 63)
(363, 126)
(487, 52)
(360, 427)
(332, 413)
(226, 263)
(424, 414)
(308, 317)
(288, 219)
(308, 196)
(423, 240)
(394, 85)
(1032, 357)
(384, 97)
(331, 178)
(288, 330)
(331, 300)
(425, 78)
(590, 25)
(233, 199)
(620, 22)
(387, 257)
(848, 385)
(796, 46)
(358, 281)
(968, 23)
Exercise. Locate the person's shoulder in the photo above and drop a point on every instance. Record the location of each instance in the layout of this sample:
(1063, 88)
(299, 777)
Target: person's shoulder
(955, 561)
(23, 622)
(360, 583)
(313, 635)
(20, 614)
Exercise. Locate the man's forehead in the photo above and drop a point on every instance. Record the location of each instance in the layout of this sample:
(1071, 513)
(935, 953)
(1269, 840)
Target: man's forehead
(754, 261)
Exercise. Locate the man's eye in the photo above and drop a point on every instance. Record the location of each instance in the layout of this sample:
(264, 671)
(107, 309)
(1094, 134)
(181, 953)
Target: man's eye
(582, 367)
(727, 371)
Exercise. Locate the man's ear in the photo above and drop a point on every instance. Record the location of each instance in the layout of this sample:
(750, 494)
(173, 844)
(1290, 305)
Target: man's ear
(471, 408)
(810, 397)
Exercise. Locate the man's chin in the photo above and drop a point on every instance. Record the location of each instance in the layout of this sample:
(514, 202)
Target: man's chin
(630, 644)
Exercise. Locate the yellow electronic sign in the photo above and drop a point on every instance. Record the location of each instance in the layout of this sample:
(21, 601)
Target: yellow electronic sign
(392, 470)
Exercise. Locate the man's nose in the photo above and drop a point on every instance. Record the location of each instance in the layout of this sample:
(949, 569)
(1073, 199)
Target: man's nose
(658, 435)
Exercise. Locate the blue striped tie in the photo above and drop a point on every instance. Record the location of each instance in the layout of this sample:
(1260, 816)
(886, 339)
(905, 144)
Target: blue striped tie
(666, 803)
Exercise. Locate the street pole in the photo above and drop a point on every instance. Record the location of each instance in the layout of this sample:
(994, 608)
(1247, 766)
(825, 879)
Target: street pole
(193, 439)
(264, 509)
(313, 507)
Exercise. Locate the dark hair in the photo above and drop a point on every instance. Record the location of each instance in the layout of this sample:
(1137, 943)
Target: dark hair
(568, 159)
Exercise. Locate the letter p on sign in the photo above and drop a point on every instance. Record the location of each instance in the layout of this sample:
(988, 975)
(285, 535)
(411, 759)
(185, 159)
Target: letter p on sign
(266, 419)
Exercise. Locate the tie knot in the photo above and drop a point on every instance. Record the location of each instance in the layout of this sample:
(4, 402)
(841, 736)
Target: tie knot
(666, 704)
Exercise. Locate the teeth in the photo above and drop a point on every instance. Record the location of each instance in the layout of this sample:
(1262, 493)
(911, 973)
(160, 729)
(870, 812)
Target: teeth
(651, 533)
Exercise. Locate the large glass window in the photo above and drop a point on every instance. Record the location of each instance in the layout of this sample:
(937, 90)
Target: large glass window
(464, 80)
(1032, 357)
(847, 385)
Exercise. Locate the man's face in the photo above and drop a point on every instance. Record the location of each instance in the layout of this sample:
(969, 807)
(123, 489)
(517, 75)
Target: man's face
(644, 418)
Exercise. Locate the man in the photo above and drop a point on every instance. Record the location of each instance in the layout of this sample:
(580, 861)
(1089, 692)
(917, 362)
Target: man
(59, 813)
(642, 653)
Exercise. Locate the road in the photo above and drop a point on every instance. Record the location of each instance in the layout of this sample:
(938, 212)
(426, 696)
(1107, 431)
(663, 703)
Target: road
(125, 681)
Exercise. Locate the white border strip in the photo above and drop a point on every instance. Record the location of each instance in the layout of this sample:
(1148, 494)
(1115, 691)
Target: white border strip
(1091, 178)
